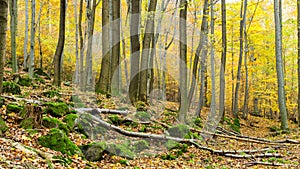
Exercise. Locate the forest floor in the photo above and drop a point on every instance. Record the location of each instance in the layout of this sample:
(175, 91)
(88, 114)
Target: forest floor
(260, 143)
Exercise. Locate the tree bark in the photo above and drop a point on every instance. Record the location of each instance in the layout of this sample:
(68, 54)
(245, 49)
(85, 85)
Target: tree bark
(81, 81)
(298, 26)
(39, 35)
(32, 39)
(60, 45)
(3, 29)
(77, 65)
(25, 65)
(13, 29)
(279, 69)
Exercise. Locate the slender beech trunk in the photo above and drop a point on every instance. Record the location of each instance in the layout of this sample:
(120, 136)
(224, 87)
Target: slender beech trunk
(39, 35)
(298, 23)
(3, 29)
(25, 65)
(146, 50)
(77, 65)
(81, 75)
(32, 39)
(238, 76)
(13, 29)
(223, 61)
(279, 69)
(60, 44)
(201, 51)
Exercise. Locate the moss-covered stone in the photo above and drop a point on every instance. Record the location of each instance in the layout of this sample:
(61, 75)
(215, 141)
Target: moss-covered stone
(70, 121)
(235, 126)
(40, 72)
(51, 93)
(13, 107)
(57, 140)
(179, 130)
(2, 101)
(95, 151)
(3, 126)
(140, 145)
(142, 116)
(57, 109)
(54, 123)
(140, 106)
(27, 123)
(122, 150)
(170, 144)
(11, 87)
(25, 81)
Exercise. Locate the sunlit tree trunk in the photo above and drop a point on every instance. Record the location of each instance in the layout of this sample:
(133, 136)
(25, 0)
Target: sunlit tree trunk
(135, 15)
(146, 50)
(238, 76)
(298, 23)
(81, 54)
(223, 61)
(13, 29)
(200, 52)
(60, 45)
(77, 67)
(39, 35)
(32, 39)
(3, 29)
(103, 85)
(183, 61)
(25, 65)
(279, 69)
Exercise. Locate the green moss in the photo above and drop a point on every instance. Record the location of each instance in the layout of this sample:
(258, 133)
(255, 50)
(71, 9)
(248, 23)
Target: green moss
(143, 116)
(120, 150)
(235, 126)
(3, 126)
(58, 141)
(2, 101)
(179, 130)
(95, 151)
(40, 80)
(25, 81)
(141, 106)
(170, 144)
(13, 107)
(70, 121)
(114, 119)
(51, 93)
(57, 109)
(27, 123)
(40, 72)
(198, 122)
(11, 87)
(55, 123)
(140, 145)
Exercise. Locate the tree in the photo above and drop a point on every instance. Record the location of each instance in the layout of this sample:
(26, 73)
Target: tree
(183, 61)
(77, 68)
(32, 39)
(298, 26)
(13, 27)
(39, 35)
(115, 58)
(279, 68)
(60, 45)
(223, 61)
(238, 76)
(103, 85)
(135, 49)
(25, 65)
(3, 29)
(148, 37)
(81, 75)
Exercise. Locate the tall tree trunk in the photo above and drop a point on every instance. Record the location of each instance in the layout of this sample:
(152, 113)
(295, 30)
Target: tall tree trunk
(81, 75)
(245, 108)
(60, 44)
(25, 65)
(238, 76)
(115, 60)
(32, 39)
(39, 35)
(183, 61)
(3, 29)
(103, 85)
(146, 50)
(77, 66)
(298, 25)
(13, 28)
(223, 61)
(135, 50)
(200, 52)
(279, 69)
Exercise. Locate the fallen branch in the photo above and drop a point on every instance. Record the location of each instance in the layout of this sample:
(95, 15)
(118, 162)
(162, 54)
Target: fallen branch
(249, 164)
(266, 155)
(105, 111)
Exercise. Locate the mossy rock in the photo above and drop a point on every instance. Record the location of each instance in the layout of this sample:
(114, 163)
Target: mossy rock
(11, 87)
(51, 93)
(141, 145)
(13, 107)
(57, 109)
(40, 72)
(25, 81)
(140, 106)
(121, 150)
(3, 126)
(83, 125)
(198, 122)
(2, 101)
(142, 116)
(70, 121)
(40, 80)
(54, 123)
(95, 151)
(179, 130)
(57, 140)
(27, 123)
(235, 126)
(171, 144)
